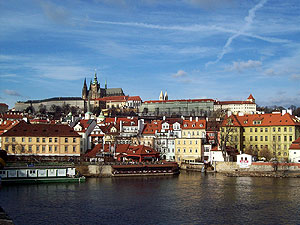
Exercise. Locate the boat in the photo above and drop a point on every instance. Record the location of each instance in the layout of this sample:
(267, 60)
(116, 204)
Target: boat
(39, 174)
(145, 169)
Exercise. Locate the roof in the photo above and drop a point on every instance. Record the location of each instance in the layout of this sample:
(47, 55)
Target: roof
(113, 99)
(24, 129)
(6, 125)
(261, 120)
(12, 116)
(234, 102)
(54, 99)
(141, 150)
(181, 100)
(134, 98)
(250, 97)
(85, 123)
(295, 145)
(3, 104)
(200, 124)
(151, 128)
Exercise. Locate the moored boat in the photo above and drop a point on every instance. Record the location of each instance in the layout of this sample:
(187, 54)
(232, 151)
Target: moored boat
(20, 175)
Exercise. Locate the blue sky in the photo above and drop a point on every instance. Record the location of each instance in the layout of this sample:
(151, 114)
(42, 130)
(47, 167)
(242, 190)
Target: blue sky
(220, 49)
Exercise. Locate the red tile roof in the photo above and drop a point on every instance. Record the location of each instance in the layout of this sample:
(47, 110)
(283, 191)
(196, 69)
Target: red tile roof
(295, 145)
(6, 125)
(23, 129)
(250, 97)
(134, 98)
(150, 128)
(119, 98)
(262, 120)
(181, 100)
(233, 102)
(200, 124)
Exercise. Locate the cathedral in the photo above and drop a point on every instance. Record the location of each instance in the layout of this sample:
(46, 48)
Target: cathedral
(95, 91)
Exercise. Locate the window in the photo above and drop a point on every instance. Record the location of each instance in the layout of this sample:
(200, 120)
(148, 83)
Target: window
(274, 138)
(6, 139)
(37, 148)
(184, 142)
(30, 148)
(74, 148)
(74, 140)
(6, 147)
(255, 138)
(196, 150)
(66, 148)
(37, 139)
(55, 140)
(66, 140)
(261, 130)
(279, 147)
(285, 154)
(274, 129)
(13, 139)
(178, 150)
(50, 148)
(279, 138)
(43, 148)
(266, 138)
(251, 138)
(284, 129)
(178, 142)
(184, 150)
(43, 140)
(13, 148)
(261, 138)
(50, 139)
(278, 129)
(23, 148)
(285, 138)
(191, 150)
(266, 129)
(55, 148)
(23, 139)
(250, 129)
(290, 129)
(30, 139)
(196, 142)
(191, 142)
(291, 138)
(255, 129)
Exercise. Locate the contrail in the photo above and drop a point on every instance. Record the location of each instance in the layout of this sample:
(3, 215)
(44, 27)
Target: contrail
(249, 20)
(193, 28)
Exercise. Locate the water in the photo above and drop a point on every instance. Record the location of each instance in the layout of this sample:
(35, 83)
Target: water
(190, 198)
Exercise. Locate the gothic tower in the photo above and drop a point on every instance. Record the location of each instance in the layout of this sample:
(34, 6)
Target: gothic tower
(84, 90)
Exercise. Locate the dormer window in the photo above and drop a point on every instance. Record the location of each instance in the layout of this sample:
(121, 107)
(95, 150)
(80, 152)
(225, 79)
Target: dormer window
(201, 125)
(193, 125)
(185, 125)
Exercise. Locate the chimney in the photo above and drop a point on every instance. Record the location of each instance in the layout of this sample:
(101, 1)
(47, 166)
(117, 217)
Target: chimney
(191, 119)
(283, 112)
(290, 111)
(197, 119)
(164, 117)
(121, 126)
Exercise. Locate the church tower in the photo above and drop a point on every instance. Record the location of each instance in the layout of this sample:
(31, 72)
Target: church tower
(84, 90)
(166, 96)
(161, 96)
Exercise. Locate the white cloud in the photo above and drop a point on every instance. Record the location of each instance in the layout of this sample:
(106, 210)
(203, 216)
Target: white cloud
(11, 92)
(180, 73)
(295, 76)
(241, 66)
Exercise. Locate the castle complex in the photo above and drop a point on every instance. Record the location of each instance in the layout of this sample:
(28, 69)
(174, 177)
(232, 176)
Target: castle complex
(95, 91)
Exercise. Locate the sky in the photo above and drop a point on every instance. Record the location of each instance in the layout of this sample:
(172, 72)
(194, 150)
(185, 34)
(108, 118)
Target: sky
(218, 49)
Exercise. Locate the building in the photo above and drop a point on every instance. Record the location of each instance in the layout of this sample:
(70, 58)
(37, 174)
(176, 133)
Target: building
(118, 102)
(245, 107)
(185, 107)
(260, 133)
(35, 105)
(294, 151)
(188, 148)
(43, 140)
(84, 128)
(3, 108)
(95, 90)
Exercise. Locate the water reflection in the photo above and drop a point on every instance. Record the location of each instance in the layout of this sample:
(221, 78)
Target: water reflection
(190, 198)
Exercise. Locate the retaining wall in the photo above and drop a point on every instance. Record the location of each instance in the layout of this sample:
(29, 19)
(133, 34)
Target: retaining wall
(257, 167)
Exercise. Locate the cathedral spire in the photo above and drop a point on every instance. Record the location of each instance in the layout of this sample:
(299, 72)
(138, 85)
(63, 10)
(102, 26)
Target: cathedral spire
(95, 77)
(105, 84)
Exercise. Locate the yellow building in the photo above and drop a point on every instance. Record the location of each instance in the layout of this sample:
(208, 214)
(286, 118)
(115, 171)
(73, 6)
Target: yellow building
(273, 132)
(188, 148)
(41, 140)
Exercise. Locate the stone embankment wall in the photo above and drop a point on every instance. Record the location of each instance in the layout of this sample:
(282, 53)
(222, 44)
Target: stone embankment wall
(95, 170)
(257, 167)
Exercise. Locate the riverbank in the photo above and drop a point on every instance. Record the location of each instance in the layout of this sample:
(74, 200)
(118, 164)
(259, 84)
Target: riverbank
(4, 218)
(278, 174)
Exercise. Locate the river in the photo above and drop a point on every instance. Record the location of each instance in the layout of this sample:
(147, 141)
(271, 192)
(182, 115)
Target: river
(190, 198)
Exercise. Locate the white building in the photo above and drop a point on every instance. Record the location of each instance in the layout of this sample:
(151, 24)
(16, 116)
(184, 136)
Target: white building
(294, 151)
(236, 107)
(84, 128)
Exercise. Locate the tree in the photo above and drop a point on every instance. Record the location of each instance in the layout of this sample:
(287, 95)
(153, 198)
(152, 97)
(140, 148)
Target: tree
(42, 109)
(66, 108)
(266, 153)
